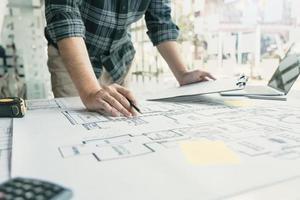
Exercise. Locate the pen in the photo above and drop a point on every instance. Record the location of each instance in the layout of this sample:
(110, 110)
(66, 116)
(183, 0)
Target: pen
(134, 106)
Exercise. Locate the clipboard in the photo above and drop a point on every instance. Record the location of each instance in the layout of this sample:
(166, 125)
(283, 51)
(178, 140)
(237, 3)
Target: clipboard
(201, 88)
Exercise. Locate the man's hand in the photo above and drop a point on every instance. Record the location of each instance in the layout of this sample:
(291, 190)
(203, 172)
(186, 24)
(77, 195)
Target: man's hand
(171, 53)
(195, 76)
(113, 100)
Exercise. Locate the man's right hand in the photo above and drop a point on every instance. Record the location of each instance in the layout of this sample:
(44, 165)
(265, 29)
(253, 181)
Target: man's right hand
(112, 100)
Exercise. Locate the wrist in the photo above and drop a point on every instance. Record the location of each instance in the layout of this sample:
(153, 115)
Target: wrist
(86, 94)
(180, 74)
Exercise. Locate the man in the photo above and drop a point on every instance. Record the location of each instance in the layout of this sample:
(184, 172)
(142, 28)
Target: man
(90, 37)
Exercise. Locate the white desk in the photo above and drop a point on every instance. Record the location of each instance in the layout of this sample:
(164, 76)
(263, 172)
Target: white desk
(267, 140)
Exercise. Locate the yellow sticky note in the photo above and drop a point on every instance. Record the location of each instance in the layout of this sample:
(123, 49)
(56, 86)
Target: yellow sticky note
(205, 152)
(239, 103)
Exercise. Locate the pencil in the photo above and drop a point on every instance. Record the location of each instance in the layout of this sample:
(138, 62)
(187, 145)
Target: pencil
(134, 106)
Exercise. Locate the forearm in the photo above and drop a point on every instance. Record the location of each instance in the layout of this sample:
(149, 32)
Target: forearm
(170, 52)
(76, 59)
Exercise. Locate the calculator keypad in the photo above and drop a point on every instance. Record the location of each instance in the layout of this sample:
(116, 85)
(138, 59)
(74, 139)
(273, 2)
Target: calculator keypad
(31, 189)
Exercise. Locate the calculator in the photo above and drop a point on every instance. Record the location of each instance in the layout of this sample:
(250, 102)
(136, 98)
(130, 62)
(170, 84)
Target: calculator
(33, 189)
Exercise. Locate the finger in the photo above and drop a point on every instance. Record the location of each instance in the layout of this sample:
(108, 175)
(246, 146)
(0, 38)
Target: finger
(204, 74)
(133, 112)
(210, 76)
(118, 96)
(125, 92)
(107, 109)
(115, 104)
(203, 79)
(125, 103)
(112, 113)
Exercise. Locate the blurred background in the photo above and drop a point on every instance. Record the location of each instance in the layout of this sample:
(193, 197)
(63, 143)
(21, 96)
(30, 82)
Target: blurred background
(225, 37)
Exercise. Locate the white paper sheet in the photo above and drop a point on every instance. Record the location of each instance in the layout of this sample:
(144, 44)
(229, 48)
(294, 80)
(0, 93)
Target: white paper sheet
(139, 158)
(208, 87)
(5, 148)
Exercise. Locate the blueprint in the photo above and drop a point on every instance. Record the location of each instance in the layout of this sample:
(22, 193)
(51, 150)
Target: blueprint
(5, 148)
(81, 146)
(268, 131)
(42, 104)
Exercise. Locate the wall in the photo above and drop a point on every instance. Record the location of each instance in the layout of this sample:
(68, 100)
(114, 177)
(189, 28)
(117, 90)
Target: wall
(2, 13)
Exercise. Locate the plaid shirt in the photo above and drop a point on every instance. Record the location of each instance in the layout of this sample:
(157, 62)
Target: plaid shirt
(105, 26)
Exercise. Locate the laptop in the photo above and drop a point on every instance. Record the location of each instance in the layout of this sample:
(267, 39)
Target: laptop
(280, 84)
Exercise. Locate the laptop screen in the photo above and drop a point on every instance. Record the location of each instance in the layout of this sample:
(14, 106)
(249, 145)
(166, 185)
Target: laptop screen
(286, 74)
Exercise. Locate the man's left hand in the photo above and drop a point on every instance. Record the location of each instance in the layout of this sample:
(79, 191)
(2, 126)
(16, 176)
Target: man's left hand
(195, 76)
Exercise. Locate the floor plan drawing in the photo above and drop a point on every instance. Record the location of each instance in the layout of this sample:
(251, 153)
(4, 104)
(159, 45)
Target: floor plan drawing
(266, 132)
(83, 146)
(5, 148)
(107, 149)
(83, 117)
(150, 110)
(42, 104)
(124, 146)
